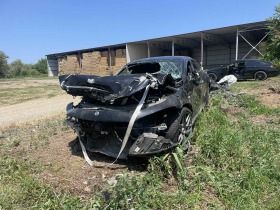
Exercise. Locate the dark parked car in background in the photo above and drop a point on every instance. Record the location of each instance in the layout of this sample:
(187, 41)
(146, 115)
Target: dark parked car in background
(147, 108)
(245, 69)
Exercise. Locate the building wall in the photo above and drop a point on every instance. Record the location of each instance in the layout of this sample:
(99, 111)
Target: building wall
(215, 56)
(92, 63)
(99, 62)
(155, 52)
(52, 67)
(136, 51)
(105, 63)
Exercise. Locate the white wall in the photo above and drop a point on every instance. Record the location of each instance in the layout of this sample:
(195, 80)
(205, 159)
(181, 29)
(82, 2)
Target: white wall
(135, 51)
(217, 55)
(52, 67)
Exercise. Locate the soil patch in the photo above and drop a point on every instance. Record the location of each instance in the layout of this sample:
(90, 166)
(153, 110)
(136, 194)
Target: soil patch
(67, 169)
(268, 93)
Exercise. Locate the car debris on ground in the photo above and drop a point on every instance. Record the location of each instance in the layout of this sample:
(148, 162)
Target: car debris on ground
(223, 84)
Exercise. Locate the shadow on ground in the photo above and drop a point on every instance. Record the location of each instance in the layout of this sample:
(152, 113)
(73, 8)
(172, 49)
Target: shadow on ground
(103, 161)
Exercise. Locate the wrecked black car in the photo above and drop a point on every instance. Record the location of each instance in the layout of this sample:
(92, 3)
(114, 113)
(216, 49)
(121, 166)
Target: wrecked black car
(147, 108)
(245, 69)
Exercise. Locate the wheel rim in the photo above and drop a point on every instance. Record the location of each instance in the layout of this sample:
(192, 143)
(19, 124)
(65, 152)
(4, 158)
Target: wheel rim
(260, 76)
(212, 77)
(185, 128)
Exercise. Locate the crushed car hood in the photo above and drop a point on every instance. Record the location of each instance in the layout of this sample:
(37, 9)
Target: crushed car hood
(108, 89)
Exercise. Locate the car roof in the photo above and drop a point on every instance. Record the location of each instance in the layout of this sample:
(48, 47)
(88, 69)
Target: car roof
(250, 60)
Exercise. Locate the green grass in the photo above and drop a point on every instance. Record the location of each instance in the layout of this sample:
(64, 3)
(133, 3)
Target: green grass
(18, 90)
(240, 86)
(19, 186)
(33, 136)
(9, 96)
(254, 106)
(28, 79)
(243, 159)
(237, 167)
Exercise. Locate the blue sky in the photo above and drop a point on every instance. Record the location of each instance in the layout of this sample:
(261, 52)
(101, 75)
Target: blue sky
(30, 29)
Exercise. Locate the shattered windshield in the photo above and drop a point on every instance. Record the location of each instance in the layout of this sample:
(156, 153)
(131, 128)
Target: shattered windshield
(172, 67)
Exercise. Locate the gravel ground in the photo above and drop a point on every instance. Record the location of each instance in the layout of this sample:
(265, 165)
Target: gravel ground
(34, 109)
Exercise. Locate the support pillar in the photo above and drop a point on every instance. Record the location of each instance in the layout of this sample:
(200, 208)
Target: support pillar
(110, 58)
(173, 47)
(201, 58)
(149, 52)
(236, 50)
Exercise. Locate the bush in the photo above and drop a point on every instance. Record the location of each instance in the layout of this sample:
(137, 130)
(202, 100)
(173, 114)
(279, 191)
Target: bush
(18, 69)
(31, 73)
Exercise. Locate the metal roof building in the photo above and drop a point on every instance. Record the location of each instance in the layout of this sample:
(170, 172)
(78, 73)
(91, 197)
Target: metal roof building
(210, 47)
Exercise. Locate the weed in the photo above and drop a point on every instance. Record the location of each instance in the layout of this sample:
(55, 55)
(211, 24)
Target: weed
(248, 85)
(20, 190)
(239, 159)
(33, 135)
(251, 103)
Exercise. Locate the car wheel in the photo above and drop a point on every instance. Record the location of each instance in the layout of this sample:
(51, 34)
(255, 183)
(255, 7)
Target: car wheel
(181, 127)
(260, 75)
(213, 77)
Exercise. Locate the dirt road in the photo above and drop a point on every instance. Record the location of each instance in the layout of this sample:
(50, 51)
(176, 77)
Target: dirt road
(34, 109)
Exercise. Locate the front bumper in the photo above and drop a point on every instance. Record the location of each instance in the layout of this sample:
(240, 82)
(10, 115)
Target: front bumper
(146, 137)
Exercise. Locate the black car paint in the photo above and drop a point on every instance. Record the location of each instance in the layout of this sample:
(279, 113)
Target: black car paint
(248, 71)
(107, 105)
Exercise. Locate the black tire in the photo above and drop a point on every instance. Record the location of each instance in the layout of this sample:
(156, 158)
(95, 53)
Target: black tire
(260, 75)
(213, 77)
(181, 127)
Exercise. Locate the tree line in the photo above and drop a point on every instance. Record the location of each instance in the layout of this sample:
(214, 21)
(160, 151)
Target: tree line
(18, 69)
(273, 44)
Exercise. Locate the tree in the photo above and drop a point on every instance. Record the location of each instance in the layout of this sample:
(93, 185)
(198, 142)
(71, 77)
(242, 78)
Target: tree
(17, 68)
(273, 46)
(42, 66)
(4, 67)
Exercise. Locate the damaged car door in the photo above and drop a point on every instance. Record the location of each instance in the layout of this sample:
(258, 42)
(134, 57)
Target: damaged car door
(197, 84)
(147, 108)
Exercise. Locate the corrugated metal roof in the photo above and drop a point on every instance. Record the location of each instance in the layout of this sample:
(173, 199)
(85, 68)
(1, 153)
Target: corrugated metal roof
(255, 30)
